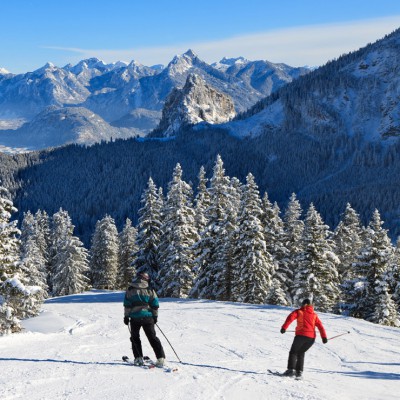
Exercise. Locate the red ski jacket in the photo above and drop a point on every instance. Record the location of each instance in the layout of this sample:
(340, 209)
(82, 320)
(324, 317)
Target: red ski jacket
(307, 320)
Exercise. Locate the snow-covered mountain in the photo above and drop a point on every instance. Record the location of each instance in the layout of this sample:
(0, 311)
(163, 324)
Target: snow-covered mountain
(58, 126)
(357, 95)
(115, 91)
(24, 96)
(196, 102)
(74, 349)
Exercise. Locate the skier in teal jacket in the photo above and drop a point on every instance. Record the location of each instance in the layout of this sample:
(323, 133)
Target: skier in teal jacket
(141, 310)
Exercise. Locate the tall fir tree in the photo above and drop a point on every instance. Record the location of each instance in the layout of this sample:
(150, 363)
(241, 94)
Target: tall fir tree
(33, 258)
(202, 201)
(179, 235)
(293, 233)
(104, 254)
(17, 299)
(348, 237)
(394, 280)
(348, 240)
(146, 258)
(70, 259)
(126, 253)
(371, 270)
(70, 267)
(213, 280)
(253, 265)
(316, 276)
(275, 240)
(385, 310)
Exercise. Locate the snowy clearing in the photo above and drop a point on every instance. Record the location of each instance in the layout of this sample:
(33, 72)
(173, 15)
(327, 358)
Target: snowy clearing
(73, 350)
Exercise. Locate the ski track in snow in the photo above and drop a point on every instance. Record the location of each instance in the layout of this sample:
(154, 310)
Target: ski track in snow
(73, 351)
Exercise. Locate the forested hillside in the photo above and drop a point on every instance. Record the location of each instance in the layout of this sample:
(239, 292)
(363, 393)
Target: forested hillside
(110, 178)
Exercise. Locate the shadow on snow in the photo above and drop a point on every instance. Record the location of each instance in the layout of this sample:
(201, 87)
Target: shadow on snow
(223, 368)
(51, 360)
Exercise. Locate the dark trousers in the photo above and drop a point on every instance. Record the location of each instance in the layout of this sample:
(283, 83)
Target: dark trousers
(148, 326)
(296, 355)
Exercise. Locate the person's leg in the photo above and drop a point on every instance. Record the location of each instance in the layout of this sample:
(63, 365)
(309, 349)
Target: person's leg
(154, 341)
(135, 338)
(304, 345)
(293, 353)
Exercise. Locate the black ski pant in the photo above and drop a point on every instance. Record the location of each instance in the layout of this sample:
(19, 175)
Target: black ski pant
(148, 326)
(296, 355)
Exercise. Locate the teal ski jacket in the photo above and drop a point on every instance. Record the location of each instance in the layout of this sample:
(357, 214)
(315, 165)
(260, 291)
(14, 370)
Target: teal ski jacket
(140, 301)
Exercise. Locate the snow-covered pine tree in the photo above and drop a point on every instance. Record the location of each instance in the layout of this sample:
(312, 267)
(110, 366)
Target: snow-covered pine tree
(385, 308)
(104, 254)
(70, 268)
(316, 276)
(202, 201)
(179, 235)
(276, 295)
(43, 239)
(33, 262)
(275, 241)
(348, 241)
(394, 274)
(17, 300)
(293, 233)
(371, 269)
(231, 272)
(60, 228)
(44, 232)
(126, 254)
(348, 237)
(146, 259)
(70, 258)
(253, 266)
(212, 281)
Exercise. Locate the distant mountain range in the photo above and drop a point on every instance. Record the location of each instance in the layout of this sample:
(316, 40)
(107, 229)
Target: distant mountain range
(123, 95)
(331, 136)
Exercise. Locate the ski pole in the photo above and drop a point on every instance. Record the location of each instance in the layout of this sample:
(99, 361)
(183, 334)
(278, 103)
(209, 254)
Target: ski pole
(333, 337)
(169, 343)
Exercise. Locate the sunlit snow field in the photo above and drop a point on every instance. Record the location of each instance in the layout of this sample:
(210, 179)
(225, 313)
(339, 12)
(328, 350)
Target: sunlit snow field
(73, 350)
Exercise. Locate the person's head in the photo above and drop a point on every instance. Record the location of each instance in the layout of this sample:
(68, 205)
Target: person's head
(306, 302)
(144, 276)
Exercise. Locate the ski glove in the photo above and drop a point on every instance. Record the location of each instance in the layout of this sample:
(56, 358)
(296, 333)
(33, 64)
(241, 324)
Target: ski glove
(324, 340)
(155, 319)
(283, 330)
(126, 320)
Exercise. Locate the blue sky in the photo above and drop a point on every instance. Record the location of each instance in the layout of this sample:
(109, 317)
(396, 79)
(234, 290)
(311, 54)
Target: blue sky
(296, 32)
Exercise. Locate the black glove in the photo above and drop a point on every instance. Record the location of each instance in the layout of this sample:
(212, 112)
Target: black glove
(126, 320)
(283, 330)
(155, 319)
(324, 340)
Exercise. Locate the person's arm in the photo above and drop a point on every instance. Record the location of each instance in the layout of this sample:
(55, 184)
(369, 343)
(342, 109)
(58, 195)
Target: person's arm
(291, 317)
(154, 305)
(126, 311)
(321, 329)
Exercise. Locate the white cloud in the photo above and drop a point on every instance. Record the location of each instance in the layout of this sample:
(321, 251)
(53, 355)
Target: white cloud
(303, 45)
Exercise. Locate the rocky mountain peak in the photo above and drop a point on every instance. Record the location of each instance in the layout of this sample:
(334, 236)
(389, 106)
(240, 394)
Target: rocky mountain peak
(182, 63)
(196, 102)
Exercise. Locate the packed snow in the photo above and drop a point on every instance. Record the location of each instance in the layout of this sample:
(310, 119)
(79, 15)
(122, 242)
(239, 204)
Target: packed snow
(73, 350)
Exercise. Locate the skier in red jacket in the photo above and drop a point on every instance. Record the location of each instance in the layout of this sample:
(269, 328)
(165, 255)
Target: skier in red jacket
(307, 320)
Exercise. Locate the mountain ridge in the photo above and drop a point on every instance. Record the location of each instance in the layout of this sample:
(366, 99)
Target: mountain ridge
(114, 91)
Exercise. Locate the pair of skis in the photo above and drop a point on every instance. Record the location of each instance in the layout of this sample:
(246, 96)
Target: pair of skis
(149, 364)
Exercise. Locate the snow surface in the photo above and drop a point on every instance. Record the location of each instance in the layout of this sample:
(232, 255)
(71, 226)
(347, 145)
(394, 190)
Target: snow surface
(73, 351)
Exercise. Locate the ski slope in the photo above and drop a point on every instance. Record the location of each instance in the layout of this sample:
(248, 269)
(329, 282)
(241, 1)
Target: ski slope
(73, 351)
